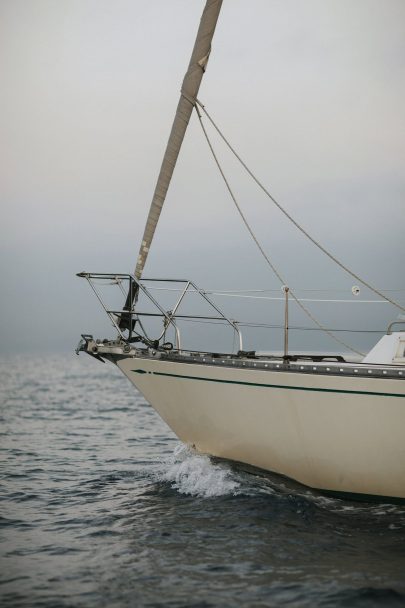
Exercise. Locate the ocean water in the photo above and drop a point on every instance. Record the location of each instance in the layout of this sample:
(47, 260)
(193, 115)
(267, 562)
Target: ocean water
(102, 506)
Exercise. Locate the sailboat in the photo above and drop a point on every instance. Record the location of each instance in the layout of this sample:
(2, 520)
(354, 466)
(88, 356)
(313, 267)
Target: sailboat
(332, 423)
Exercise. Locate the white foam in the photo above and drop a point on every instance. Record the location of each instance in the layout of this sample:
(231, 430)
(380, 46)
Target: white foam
(194, 474)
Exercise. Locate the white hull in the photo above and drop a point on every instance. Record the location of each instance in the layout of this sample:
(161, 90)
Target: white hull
(342, 434)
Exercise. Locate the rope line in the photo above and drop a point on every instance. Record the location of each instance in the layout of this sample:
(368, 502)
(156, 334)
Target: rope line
(292, 220)
(275, 326)
(243, 291)
(237, 294)
(273, 268)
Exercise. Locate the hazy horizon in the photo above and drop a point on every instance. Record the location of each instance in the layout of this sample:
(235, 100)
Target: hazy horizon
(311, 95)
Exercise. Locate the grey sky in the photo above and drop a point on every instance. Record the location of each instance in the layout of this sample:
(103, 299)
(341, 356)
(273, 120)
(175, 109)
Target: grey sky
(311, 94)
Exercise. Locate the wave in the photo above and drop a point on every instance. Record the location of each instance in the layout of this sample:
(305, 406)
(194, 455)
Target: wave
(196, 475)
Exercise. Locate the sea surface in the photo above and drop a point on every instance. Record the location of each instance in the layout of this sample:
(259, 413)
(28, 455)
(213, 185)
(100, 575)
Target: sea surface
(102, 506)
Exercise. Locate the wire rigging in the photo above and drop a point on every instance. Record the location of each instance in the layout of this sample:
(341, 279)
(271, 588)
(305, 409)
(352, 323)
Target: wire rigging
(244, 294)
(289, 217)
(273, 268)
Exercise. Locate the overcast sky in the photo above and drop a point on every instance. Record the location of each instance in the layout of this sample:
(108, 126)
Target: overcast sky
(311, 93)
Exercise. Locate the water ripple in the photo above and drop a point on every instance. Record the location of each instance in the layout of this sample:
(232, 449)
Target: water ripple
(101, 506)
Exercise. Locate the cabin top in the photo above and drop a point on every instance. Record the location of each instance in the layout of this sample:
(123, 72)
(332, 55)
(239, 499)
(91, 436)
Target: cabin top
(389, 350)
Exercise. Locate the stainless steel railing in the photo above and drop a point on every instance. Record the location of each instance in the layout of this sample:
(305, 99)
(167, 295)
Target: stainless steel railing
(169, 317)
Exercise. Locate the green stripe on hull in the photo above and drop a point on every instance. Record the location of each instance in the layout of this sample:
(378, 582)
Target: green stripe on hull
(280, 386)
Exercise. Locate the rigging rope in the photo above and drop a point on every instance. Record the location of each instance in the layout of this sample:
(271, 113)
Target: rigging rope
(275, 326)
(290, 218)
(242, 295)
(242, 291)
(274, 269)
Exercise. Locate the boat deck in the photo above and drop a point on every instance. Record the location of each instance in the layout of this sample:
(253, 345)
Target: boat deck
(331, 365)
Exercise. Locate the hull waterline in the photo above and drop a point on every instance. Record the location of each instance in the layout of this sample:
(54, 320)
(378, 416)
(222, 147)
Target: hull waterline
(338, 434)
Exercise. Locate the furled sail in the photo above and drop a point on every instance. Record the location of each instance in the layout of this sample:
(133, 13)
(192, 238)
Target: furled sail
(189, 90)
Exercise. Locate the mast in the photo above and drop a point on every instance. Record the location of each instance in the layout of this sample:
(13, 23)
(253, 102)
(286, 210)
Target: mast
(189, 91)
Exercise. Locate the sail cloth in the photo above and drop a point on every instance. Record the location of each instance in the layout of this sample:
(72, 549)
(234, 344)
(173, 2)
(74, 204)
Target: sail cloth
(189, 90)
